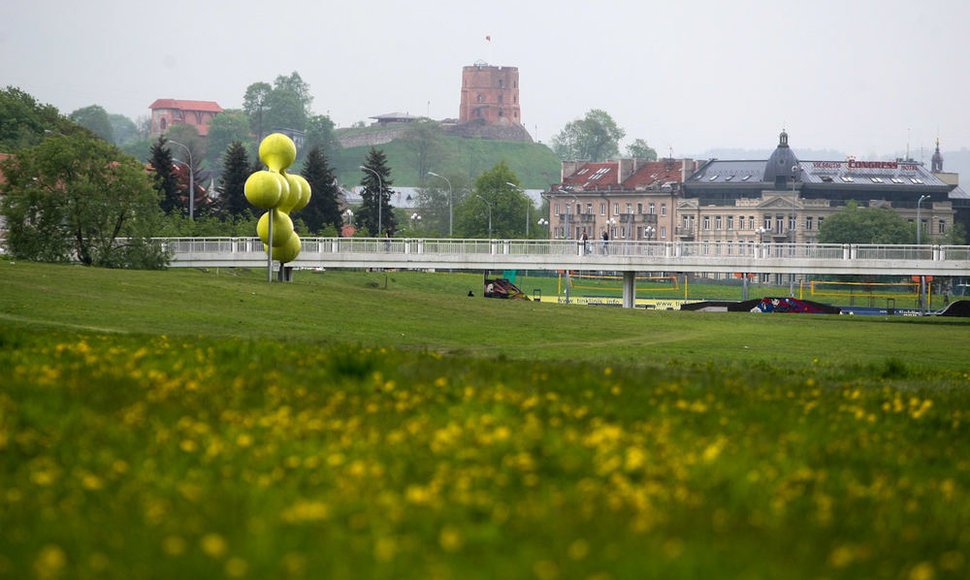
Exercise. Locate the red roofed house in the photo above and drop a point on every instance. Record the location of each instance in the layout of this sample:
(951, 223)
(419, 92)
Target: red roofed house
(631, 199)
(168, 112)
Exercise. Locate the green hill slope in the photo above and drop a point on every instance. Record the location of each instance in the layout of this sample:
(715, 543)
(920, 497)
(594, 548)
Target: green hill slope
(534, 163)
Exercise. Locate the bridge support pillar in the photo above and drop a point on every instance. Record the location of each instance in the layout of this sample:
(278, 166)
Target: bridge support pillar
(629, 289)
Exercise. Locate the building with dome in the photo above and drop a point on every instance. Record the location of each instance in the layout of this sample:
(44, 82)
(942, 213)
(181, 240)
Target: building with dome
(786, 199)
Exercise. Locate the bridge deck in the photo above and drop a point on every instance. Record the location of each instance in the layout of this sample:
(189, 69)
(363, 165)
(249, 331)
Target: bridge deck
(620, 256)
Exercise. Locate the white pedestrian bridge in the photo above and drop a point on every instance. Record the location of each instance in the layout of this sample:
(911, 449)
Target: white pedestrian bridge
(619, 256)
(614, 256)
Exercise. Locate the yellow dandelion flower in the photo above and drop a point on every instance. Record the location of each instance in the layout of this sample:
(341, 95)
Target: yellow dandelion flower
(173, 545)
(922, 571)
(450, 539)
(546, 570)
(50, 562)
(236, 568)
(578, 550)
(214, 545)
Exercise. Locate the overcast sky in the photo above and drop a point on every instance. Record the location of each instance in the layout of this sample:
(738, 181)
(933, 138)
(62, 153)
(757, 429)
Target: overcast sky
(862, 77)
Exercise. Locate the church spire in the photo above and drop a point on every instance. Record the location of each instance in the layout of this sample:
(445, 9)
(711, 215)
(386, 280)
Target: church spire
(936, 162)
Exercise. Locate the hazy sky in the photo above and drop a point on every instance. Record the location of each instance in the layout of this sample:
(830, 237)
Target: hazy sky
(862, 77)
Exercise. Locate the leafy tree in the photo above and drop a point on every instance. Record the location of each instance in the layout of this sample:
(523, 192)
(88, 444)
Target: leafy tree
(232, 182)
(254, 104)
(123, 129)
(95, 118)
(228, 127)
(320, 133)
(284, 111)
(285, 104)
(24, 122)
(324, 207)
(494, 200)
(295, 85)
(375, 213)
(164, 180)
(640, 150)
(76, 197)
(434, 203)
(425, 139)
(595, 137)
(873, 225)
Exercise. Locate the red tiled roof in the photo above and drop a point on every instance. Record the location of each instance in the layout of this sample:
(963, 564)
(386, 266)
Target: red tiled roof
(655, 172)
(208, 106)
(592, 175)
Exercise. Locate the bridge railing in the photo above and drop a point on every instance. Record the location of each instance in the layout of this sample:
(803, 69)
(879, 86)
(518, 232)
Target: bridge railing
(250, 248)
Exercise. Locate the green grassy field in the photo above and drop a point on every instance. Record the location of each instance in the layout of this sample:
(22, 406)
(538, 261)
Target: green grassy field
(385, 425)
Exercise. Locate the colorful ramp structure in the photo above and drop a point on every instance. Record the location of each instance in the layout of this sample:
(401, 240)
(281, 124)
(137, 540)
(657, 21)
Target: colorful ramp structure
(766, 304)
(958, 308)
(502, 288)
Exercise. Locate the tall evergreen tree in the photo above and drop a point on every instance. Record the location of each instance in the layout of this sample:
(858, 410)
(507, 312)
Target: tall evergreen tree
(324, 207)
(165, 180)
(376, 215)
(232, 183)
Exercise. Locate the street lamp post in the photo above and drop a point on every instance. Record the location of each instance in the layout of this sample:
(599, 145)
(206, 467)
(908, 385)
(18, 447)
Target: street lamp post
(922, 279)
(450, 203)
(489, 204)
(649, 230)
(543, 222)
(415, 218)
(191, 179)
(380, 199)
(528, 202)
(919, 221)
(793, 226)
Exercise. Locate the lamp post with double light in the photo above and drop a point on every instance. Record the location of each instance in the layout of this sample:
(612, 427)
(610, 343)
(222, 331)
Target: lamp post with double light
(191, 178)
(450, 202)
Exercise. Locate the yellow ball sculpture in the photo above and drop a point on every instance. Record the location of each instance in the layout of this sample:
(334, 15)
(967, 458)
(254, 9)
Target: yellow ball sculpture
(289, 250)
(263, 189)
(282, 228)
(279, 193)
(293, 188)
(304, 193)
(277, 151)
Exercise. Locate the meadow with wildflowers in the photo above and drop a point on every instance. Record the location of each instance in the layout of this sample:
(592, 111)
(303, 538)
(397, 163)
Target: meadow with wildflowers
(354, 425)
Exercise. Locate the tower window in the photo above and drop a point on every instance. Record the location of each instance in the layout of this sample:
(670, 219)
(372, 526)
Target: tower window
(481, 98)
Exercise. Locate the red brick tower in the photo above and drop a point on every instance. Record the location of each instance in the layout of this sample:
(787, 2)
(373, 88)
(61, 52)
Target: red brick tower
(490, 95)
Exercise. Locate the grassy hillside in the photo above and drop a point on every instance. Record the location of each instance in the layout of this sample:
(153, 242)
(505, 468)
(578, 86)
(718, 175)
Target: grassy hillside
(385, 425)
(529, 161)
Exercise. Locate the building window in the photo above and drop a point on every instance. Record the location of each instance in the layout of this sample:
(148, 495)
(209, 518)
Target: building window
(941, 229)
(481, 98)
(616, 209)
(707, 222)
(589, 208)
(767, 222)
(629, 208)
(603, 209)
(750, 222)
(730, 222)
(663, 232)
(652, 209)
(820, 220)
(717, 222)
(640, 208)
(579, 208)
(557, 210)
(779, 224)
(500, 82)
(808, 223)
(663, 209)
